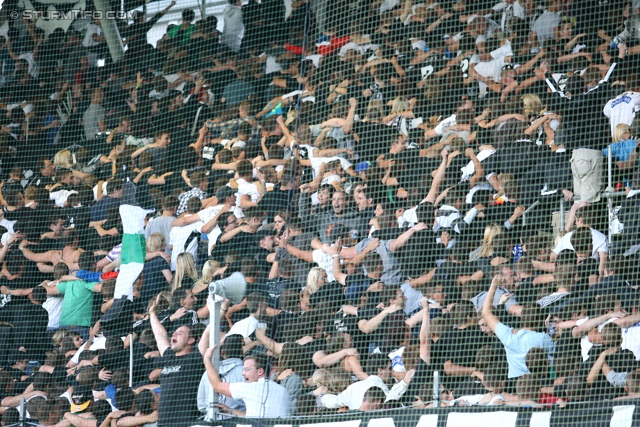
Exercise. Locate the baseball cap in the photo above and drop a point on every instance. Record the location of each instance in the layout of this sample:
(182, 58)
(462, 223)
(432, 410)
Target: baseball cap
(362, 166)
(567, 257)
(261, 234)
(81, 399)
(223, 192)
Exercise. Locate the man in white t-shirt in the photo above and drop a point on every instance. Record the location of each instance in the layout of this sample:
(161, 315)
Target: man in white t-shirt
(211, 216)
(600, 247)
(248, 192)
(263, 397)
(622, 109)
(256, 304)
(179, 237)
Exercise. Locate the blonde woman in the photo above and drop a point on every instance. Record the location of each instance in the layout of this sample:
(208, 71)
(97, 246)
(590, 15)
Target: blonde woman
(64, 160)
(400, 109)
(186, 273)
(543, 124)
(209, 269)
(486, 250)
(157, 272)
(624, 148)
(375, 111)
(316, 278)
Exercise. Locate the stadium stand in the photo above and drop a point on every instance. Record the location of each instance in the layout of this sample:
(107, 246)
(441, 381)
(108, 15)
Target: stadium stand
(350, 212)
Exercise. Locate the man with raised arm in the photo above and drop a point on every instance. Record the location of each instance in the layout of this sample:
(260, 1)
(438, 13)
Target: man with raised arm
(181, 370)
(262, 397)
(517, 343)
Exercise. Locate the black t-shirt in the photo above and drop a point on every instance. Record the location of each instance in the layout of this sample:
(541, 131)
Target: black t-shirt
(274, 288)
(332, 292)
(391, 332)
(461, 345)
(275, 200)
(347, 324)
(374, 140)
(120, 359)
(30, 330)
(447, 274)
(179, 384)
(154, 280)
(241, 243)
(586, 269)
(527, 293)
(424, 373)
(469, 387)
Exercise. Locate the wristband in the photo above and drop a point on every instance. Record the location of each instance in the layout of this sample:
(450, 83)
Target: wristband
(230, 411)
(335, 256)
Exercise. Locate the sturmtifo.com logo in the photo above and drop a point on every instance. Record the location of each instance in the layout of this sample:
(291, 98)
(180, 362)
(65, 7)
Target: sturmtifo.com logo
(72, 14)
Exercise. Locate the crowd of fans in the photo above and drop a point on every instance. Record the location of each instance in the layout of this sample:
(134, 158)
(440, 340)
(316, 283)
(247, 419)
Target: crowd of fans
(366, 166)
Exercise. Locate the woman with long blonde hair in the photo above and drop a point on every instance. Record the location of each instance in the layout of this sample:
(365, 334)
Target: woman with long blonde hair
(316, 278)
(486, 250)
(400, 109)
(209, 269)
(186, 273)
(624, 148)
(63, 159)
(157, 272)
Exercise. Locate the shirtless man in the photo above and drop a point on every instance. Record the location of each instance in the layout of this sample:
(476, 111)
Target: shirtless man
(47, 260)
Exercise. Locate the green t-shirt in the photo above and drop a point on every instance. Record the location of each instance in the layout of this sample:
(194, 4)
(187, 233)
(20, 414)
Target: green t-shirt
(77, 303)
(186, 34)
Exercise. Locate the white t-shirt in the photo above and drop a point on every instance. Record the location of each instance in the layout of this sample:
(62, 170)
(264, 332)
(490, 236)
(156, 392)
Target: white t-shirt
(88, 38)
(53, 305)
(316, 162)
(207, 215)
(599, 243)
(263, 399)
(178, 237)
(325, 262)
(489, 69)
(245, 327)
(33, 65)
(622, 109)
(246, 189)
(502, 51)
(445, 124)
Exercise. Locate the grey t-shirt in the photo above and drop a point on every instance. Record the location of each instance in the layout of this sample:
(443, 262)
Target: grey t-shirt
(91, 120)
(162, 225)
(478, 300)
(301, 268)
(392, 268)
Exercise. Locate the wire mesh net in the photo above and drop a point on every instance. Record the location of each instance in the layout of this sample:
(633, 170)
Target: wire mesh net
(352, 212)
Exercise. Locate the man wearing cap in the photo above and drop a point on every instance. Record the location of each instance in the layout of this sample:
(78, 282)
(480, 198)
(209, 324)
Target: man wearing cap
(239, 238)
(266, 249)
(182, 369)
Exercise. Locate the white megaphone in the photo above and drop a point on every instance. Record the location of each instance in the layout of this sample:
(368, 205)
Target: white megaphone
(232, 287)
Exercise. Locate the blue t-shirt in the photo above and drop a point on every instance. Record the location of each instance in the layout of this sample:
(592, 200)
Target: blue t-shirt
(518, 345)
(621, 150)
